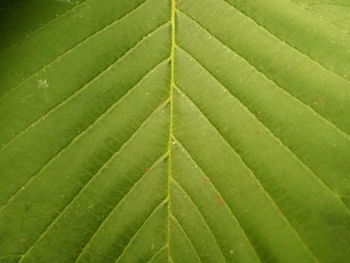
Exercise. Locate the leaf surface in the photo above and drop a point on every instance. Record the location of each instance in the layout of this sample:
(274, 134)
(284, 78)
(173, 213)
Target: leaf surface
(175, 131)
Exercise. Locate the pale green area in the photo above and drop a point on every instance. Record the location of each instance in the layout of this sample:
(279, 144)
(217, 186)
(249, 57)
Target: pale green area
(175, 131)
(334, 11)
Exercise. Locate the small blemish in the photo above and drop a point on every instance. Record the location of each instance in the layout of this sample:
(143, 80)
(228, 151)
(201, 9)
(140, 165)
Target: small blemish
(43, 85)
(219, 199)
(206, 179)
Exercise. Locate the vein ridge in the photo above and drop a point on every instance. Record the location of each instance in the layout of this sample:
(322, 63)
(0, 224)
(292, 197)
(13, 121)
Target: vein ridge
(173, 9)
(252, 173)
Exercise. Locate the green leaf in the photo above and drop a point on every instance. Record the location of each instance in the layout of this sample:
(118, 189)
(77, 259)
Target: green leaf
(175, 131)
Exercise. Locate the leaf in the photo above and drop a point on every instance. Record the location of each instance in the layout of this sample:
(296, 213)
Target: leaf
(336, 12)
(175, 131)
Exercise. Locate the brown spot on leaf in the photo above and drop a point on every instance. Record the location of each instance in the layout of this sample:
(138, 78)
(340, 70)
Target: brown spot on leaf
(258, 114)
(206, 179)
(219, 199)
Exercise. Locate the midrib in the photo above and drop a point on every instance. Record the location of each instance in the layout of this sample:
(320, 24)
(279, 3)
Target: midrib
(171, 120)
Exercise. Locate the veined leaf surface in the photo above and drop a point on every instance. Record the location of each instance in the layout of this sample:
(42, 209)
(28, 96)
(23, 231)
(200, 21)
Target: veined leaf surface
(175, 131)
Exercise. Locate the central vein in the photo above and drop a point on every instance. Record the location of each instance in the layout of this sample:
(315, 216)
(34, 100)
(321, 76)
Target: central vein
(171, 101)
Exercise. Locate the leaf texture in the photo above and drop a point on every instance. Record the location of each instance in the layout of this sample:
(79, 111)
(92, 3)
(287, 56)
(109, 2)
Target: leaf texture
(175, 131)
